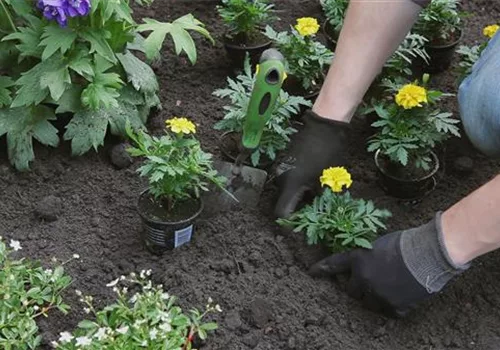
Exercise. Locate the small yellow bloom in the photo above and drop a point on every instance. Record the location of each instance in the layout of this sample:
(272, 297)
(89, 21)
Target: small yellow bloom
(307, 26)
(285, 76)
(181, 126)
(410, 96)
(257, 69)
(491, 30)
(336, 178)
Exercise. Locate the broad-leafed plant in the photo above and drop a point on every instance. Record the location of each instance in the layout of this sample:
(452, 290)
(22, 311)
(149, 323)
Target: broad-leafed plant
(335, 218)
(440, 21)
(28, 291)
(411, 125)
(77, 57)
(144, 316)
(175, 165)
(306, 58)
(335, 11)
(278, 130)
(246, 19)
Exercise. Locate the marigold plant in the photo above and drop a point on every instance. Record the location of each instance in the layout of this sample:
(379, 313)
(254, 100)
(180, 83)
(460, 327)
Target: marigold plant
(491, 30)
(175, 165)
(335, 218)
(306, 59)
(440, 21)
(411, 125)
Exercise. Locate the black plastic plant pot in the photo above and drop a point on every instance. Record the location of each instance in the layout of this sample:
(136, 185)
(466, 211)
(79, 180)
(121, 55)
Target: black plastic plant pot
(229, 144)
(162, 234)
(237, 50)
(294, 87)
(331, 35)
(406, 188)
(440, 56)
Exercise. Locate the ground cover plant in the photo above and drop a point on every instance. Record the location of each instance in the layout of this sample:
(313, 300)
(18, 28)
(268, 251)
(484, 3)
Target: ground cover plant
(77, 57)
(84, 205)
(440, 22)
(278, 130)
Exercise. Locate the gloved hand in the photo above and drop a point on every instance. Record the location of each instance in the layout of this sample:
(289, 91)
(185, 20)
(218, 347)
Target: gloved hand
(321, 144)
(403, 269)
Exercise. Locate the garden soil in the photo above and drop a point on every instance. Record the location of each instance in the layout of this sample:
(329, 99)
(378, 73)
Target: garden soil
(242, 259)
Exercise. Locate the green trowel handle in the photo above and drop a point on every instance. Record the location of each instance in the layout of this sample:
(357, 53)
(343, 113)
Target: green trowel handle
(266, 91)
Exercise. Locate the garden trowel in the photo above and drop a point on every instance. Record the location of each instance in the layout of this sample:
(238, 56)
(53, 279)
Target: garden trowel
(245, 183)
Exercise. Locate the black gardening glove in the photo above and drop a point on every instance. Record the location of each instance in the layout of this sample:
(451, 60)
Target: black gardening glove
(321, 144)
(403, 269)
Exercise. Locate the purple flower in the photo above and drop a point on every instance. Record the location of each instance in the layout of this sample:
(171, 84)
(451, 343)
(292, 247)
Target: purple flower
(78, 7)
(59, 10)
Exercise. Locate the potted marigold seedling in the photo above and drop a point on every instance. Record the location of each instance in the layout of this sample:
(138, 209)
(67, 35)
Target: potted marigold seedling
(278, 130)
(245, 21)
(307, 60)
(335, 218)
(335, 11)
(409, 129)
(178, 170)
(441, 24)
(470, 54)
(144, 316)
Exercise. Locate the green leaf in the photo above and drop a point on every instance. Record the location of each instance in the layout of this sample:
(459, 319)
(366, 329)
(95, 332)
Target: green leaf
(5, 84)
(211, 326)
(139, 74)
(56, 39)
(36, 83)
(86, 324)
(70, 101)
(178, 30)
(362, 242)
(81, 64)
(97, 95)
(87, 128)
(22, 125)
(29, 39)
(98, 43)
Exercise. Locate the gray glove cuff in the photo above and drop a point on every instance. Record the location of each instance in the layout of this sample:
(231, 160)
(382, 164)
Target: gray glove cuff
(422, 3)
(426, 257)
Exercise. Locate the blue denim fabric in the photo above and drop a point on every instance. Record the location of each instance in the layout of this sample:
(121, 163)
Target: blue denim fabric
(479, 101)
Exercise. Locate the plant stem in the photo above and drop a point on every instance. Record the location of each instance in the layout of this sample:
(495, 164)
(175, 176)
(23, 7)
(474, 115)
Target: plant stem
(7, 15)
(189, 339)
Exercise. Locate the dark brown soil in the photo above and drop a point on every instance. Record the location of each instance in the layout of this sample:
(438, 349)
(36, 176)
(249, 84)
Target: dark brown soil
(241, 259)
(157, 209)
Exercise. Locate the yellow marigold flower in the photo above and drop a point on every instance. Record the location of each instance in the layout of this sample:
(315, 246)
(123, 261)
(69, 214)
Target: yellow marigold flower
(307, 26)
(411, 95)
(181, 126)
(491, 30)
(336, 178)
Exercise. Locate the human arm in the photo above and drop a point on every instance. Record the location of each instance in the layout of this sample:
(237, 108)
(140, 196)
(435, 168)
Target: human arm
(372, 31)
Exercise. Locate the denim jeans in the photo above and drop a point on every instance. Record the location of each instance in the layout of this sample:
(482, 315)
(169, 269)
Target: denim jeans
(479, 101)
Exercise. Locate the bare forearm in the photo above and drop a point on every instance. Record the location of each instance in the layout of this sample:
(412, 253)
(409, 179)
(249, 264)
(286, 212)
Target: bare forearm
(472, 226)
(372, 31)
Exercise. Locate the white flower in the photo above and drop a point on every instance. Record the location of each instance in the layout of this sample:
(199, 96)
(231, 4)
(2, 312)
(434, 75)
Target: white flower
(86, 310)
(218, 308)
(166, 327)
(48, 272)
(78, 292)
(76, 256)
(115, 289)
(124, 290)
(165, 296)
(54, 344)
(148, 286)
(53, 259)
(153, 333)
(138, 323)
(122, 330)
(100, 334)
(16, 245)
(122, 278)
(36, 308)
(210, 301)
(148, 272)
(134, 298)
(83, 341)
(142, 275)
(65, 337)
(113, 283)
(144, 343)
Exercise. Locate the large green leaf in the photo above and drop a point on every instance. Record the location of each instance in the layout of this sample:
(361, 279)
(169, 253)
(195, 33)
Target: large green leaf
(22, 125)
(139, 74)
(28, 38)
(47, 76)
(87, 128)
(98, 44)
(178, 30)
(55, 38)
(5, 84)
